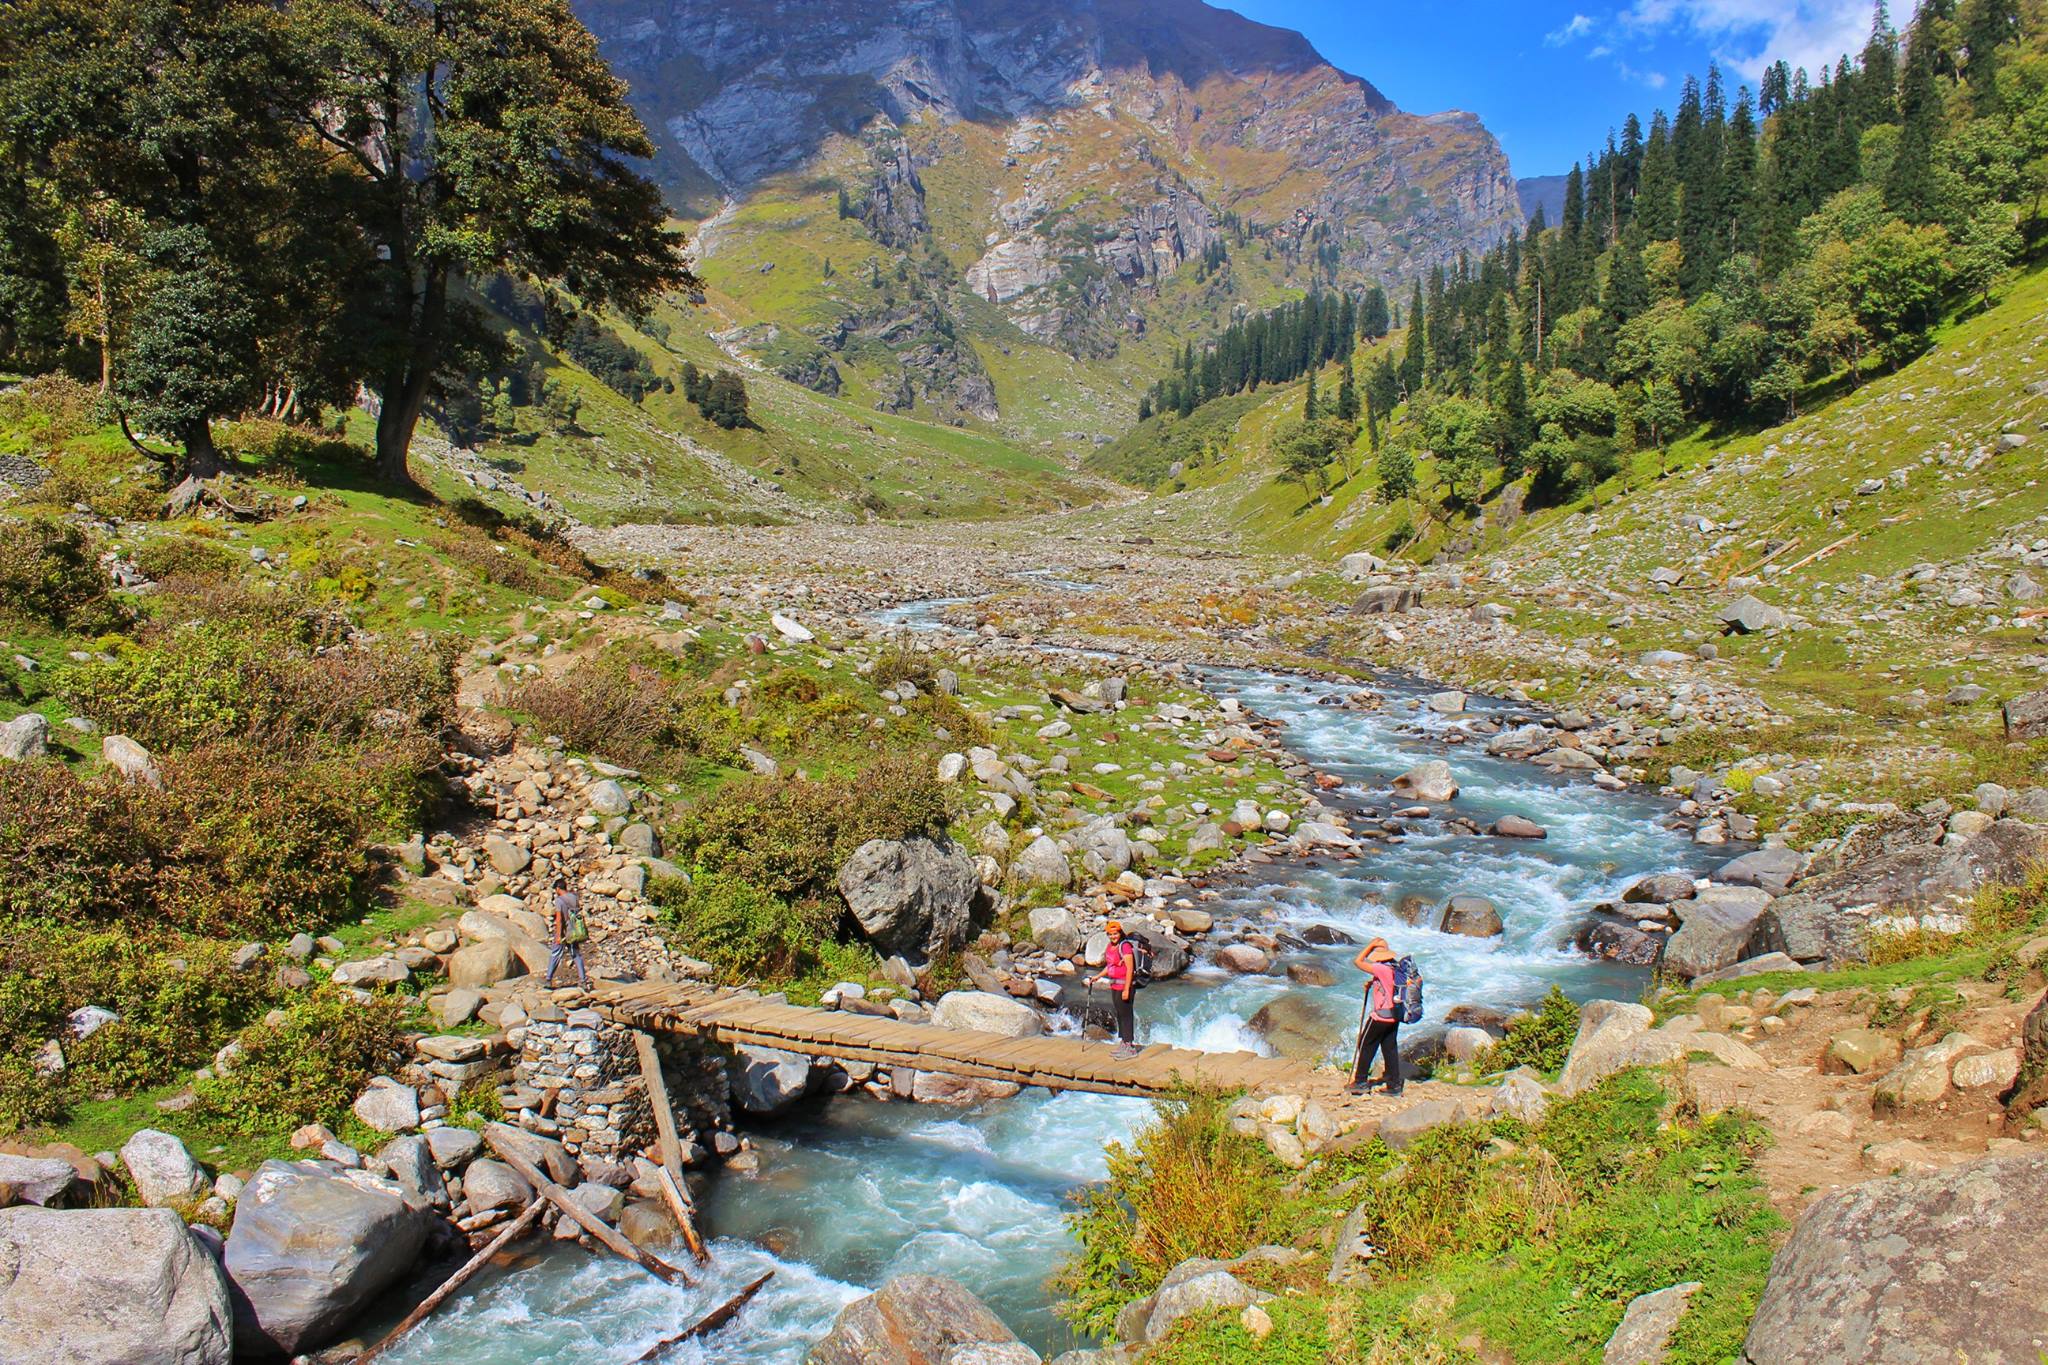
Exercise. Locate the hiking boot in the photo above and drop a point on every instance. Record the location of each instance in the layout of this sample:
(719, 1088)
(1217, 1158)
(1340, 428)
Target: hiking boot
(1396, 1092)
(1123, 1051)
(1358, 1088)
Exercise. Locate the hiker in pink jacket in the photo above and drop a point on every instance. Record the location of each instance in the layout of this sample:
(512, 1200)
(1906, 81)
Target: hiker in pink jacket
(1382, 1020)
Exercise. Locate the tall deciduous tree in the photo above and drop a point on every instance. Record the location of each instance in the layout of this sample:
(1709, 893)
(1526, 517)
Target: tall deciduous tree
(484, 135)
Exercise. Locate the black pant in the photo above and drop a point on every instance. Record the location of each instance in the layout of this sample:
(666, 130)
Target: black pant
(1381, 1034)
(1126, 1017)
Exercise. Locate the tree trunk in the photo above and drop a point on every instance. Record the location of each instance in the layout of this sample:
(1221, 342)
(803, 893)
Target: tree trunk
(202, 457)
(404, 392)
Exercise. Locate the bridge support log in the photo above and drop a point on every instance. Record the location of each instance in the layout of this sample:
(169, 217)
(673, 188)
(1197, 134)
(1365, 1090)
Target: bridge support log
(671, 1147)
(604, 1232)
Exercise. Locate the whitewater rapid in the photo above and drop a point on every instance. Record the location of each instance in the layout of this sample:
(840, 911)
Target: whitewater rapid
(859, 1190)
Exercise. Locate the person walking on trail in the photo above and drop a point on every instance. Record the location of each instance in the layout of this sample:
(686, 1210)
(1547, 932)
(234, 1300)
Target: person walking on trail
(1380, 1024)
(1120, 974)
(566, 933)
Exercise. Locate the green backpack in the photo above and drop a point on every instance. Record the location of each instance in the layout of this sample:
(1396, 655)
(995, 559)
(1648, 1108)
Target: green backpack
(573, 930)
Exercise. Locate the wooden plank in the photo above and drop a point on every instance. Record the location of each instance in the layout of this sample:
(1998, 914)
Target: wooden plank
(671, 1146)
(510, 1233)
(679, 1204)
(710, 1322)
(590, 1222)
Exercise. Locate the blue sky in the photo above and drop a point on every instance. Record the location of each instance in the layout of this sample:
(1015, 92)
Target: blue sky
(1551, 78)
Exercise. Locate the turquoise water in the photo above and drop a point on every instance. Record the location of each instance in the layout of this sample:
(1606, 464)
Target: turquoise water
(859, 1190)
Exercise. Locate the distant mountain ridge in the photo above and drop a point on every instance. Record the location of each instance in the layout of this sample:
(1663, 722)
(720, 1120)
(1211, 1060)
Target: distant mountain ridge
(1061, 162)
(1544, 192)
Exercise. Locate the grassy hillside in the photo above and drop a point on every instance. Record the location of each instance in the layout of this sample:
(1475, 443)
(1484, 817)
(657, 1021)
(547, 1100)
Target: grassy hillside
(805, 455)
(1932, 429)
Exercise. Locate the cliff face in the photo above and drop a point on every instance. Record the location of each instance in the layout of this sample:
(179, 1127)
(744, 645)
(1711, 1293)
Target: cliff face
(1078, 152)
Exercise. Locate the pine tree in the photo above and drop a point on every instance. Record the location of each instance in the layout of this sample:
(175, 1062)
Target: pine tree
(1657, 197)
(1909, 189)
(1347, 394)
(1308, 402)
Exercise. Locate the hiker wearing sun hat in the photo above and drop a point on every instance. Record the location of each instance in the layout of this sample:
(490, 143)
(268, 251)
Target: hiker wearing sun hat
(1380, 1021)
(1120, 975)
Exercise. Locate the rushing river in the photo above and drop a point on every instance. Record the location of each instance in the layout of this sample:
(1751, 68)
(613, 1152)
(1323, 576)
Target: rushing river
(860, 1190)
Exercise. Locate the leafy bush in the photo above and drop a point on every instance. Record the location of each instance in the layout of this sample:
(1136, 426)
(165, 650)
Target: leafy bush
(790, 838)
(176, 998)
(1187, 1185)
(616, 705)
(1541, 1040)
(310, 1067)
(494, 562)
(240, 840)
(162, 557)
(257, 668)
(53, 407)
(744, 931)
(50, 576)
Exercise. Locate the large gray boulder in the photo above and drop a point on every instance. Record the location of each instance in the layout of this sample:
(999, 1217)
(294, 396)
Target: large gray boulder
(1773, 869)
(110, 1287)
(1391, 599)
(1646, 1326)
(1746, 615)
(1916, 1270)
(1428, 781)
(37, 1179)
(1606, 1028)
(1296, 1025)
(2026, 716)
(1193, 1286)
(911, 1320)
(1041, 864)
(1054, 929)
(1714, 929)
(1825, 919)
(1171, 954)
(1472, 916)
(25, 737)
(987, 1012)
(309, 1249)
(911, 896)
(163, 1172)
(768, 1080)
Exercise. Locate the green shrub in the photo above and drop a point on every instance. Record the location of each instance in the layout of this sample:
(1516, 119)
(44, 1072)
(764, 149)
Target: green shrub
(50, 575)
(310, 1067)
(54, 408)
(1186, 1185)
(613, 705)
(1541, 1040)
(744, 931)
(790, 838)
(162, 557)
(495, 562)
(240, 840)
(177, 999)
(258, 668)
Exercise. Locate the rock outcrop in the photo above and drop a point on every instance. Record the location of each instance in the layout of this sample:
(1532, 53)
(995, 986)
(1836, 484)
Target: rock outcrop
(911, 1320)
(1914, 1271)
(309, 1248)
(110, 1287)
(911, 896)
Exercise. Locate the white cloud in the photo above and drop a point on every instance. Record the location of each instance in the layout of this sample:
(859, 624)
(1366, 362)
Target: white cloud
(1653, 80)
(1601, 51)
(1578, 27)
(1748, 35)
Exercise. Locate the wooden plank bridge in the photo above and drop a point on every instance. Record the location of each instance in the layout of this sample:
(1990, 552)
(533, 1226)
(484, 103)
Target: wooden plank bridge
(741, 1019)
